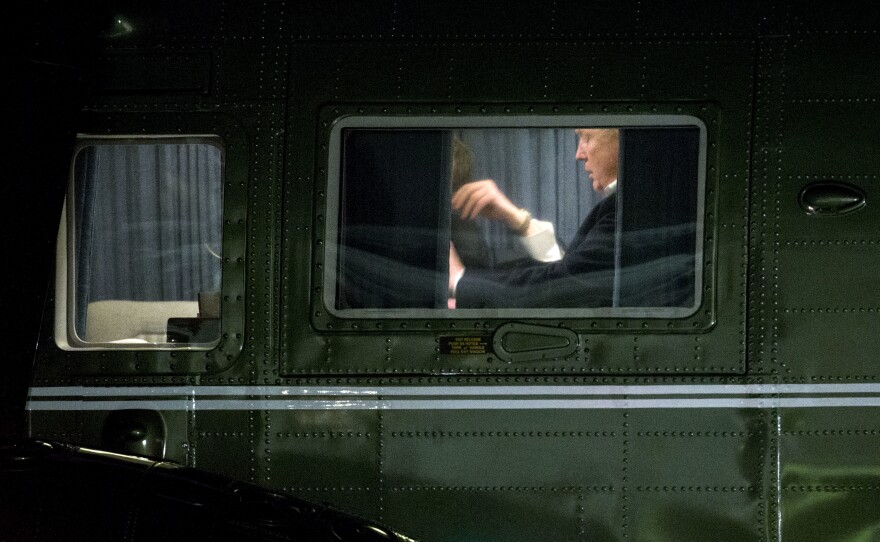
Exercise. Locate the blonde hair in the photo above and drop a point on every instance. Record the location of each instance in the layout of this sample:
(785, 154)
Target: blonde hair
(462, 163)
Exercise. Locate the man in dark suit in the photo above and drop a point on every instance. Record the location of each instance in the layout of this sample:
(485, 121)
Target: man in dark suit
(584, 277)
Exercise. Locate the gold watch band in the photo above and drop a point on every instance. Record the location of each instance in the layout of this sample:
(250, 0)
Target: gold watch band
(524, 225)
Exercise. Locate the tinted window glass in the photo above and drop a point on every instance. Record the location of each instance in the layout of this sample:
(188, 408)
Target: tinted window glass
(589, 220)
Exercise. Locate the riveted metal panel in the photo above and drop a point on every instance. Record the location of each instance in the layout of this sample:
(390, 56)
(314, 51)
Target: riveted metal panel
(602, 18)
(823, 66)
(462, 19)
(225, 442)
(662, 354)
(256, 72)
(449, 449)
(693, 513)
(652, 69)
(829, 276)
(715, 450)
(694, 475)
(492, 72)
(502, 513)
(829, 484)
(769, 111)
(330, 451)
(828, 439)
(342, 20)
(343, 69)
(174, 73)
(831, 137)
(63, 426)
(847, 18)
(816, 290)
(827, 343)
(693, 18)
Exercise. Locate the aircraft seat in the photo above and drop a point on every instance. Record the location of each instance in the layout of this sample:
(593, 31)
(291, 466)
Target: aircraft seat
(117, 320)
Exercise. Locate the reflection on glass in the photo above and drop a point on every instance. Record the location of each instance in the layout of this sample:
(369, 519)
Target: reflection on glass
(506, 218)
(147, 222)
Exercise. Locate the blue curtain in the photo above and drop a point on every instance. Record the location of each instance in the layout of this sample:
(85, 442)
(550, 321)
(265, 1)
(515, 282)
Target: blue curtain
(148, 222)
(536, 168)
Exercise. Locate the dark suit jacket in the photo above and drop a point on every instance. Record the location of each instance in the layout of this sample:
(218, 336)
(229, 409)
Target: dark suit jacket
(584, 277)
(469, 243)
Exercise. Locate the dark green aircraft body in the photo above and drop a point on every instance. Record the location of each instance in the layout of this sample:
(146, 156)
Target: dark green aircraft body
(753, 417)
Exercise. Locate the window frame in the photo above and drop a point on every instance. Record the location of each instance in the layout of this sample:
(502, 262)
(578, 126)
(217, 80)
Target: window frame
(65, 333)
(328, 275)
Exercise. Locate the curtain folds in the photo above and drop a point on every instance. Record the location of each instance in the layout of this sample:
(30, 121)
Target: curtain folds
(148, 222)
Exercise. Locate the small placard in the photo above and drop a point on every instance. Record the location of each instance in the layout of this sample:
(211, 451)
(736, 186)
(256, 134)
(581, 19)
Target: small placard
(464, 346)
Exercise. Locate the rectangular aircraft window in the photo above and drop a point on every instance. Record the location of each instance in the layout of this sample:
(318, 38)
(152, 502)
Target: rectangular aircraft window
(143, 244)
(515, 217)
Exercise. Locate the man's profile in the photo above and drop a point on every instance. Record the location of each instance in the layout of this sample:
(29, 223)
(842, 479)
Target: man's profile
(583, 277)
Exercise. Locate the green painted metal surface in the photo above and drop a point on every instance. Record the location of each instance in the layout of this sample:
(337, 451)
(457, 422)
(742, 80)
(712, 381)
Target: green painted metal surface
(788, 96)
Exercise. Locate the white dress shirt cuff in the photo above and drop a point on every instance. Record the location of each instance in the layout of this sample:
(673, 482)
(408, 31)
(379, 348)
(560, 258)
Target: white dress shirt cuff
(541, 243)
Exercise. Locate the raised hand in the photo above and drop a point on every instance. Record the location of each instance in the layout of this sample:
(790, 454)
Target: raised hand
(484, 198)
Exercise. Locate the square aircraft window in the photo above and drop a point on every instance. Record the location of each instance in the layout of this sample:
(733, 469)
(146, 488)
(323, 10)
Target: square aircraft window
(140, 248)
(511, 217)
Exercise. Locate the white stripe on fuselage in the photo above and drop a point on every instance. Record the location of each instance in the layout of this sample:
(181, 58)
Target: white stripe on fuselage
(761, 396)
